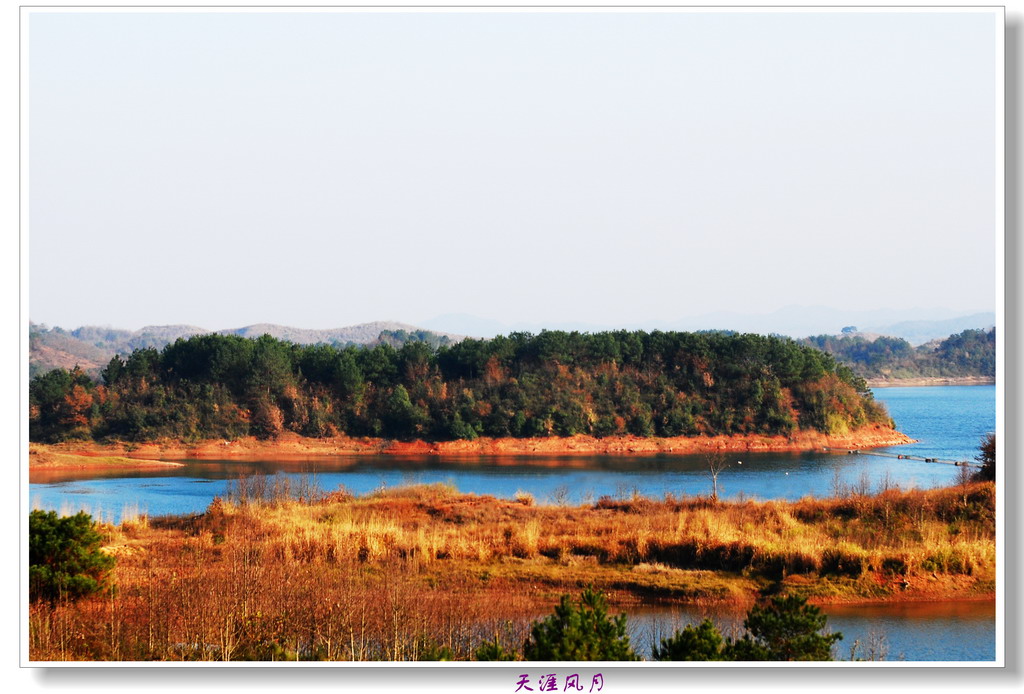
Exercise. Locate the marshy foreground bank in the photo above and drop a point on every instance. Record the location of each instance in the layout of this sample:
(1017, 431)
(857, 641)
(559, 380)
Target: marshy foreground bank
(394, 575)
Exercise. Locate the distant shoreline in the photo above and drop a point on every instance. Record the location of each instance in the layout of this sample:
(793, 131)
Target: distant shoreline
(294, 447)
(931, 381)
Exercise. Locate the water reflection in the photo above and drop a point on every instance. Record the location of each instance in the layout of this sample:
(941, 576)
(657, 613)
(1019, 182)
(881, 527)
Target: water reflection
(918, 631)
(551, 480)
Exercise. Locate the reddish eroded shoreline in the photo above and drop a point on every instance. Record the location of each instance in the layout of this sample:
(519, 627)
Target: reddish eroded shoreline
(292, 446)
(54, 458)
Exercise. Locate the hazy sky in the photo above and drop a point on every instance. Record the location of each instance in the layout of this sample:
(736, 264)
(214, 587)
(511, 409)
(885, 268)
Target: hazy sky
(324, 169)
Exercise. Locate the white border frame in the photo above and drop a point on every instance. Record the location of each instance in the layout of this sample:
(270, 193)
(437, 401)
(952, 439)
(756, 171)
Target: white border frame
(999, 11)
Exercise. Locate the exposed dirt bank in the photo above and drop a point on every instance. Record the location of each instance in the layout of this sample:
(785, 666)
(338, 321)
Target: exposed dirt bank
(931, 381)
(627, 586)
(291, 446)
(730, 590)
(50, 458)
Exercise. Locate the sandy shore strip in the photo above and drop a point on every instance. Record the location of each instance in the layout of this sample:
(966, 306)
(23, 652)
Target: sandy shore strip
(294, 447)
(47, 458)
(931, 381)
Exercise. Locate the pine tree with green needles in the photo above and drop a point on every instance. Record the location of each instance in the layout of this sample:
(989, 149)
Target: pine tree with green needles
(494, 650)
(786, 628)
(701, 642)
(987, 458)
(65, 561)
(580, 631)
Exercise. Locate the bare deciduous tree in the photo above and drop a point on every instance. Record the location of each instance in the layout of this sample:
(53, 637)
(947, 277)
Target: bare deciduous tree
(964, 477)
(715, 462)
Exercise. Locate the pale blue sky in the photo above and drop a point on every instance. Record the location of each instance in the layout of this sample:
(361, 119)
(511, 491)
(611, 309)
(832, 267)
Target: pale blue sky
(320, 170)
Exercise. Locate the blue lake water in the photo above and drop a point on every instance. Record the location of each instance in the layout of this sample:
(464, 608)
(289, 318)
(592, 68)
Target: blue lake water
(947, 420)
(925, 631)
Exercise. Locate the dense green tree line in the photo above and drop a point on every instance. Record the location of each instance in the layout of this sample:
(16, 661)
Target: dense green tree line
(970, 353)
(780, 628)
(93, 346)
(521, 385)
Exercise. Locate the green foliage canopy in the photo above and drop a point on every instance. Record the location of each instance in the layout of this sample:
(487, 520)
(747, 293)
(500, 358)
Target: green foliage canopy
(580, 631)
(702, 642)
(969, 353)
(65, 562)
(551, 384)
(494, 650)
(786, 628)
(987, 457)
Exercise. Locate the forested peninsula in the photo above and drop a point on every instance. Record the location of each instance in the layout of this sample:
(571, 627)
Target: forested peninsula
(640, 385)
(969, 356)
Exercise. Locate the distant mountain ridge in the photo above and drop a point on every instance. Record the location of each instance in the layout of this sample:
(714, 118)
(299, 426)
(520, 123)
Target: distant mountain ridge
(362, 334)
(918, 332)
(91, 347)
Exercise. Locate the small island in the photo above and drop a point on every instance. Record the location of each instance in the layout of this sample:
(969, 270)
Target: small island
(556, 392)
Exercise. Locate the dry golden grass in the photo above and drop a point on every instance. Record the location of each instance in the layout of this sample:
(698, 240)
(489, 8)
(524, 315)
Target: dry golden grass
(261, 575)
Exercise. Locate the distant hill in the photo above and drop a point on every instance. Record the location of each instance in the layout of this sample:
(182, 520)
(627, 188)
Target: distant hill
(968, 353)
(58, 349)
(150, 336)
(362, 334)
(91, 347)
(918, 332)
